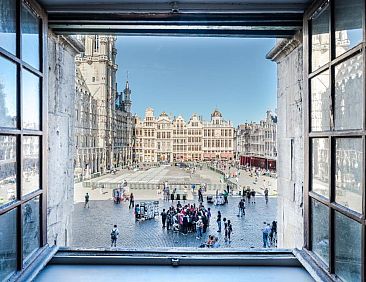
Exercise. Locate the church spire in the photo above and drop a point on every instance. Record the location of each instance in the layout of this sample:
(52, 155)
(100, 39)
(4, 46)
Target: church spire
(127, 96)
(127, 86)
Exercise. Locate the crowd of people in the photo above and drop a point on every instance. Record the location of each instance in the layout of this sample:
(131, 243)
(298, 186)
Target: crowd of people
(195, 219)
(187, 219)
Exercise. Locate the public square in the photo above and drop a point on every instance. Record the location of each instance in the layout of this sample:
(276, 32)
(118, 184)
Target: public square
(91, 226)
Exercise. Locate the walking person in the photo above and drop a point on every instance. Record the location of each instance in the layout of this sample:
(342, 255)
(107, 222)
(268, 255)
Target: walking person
(132, 201)
(241, 208)
(266, 195)
(163, 217)
(218, 220)
(114, 235)
(86, 203)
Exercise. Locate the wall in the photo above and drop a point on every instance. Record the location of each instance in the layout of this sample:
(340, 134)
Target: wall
(288, 55)
(61, 147)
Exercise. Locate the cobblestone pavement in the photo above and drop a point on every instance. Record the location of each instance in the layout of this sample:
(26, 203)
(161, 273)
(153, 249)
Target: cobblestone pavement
(91, 226)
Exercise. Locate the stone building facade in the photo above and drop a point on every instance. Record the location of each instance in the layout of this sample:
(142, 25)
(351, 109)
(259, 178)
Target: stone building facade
(61, 137)
(257, 140)
(168, 139)
(218, 138)
(88, 151)
(288, 54)
(110, 145)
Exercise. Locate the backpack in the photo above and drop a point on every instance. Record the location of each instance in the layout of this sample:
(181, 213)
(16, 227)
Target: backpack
(114, 234)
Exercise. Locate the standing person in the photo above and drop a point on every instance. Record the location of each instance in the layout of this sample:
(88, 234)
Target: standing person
(265, 230)
(252, 193)
(229, 230)
(132, 201)
(200, 196)
(172, 194)
(169, 219)
(185, 224)
(241, 208)
(114, 235)
(199, 226)
(225, 228)
(228, 188)
(266, 195)
(218, 221)
(274, 234)
(225, 197)
(204, 221)
(193, 187)
(163, 217)
(167, 193)
(86, 200)
(208, 216)
(248, 194)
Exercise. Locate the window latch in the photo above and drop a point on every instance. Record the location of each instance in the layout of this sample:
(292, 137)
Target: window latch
(175, 261)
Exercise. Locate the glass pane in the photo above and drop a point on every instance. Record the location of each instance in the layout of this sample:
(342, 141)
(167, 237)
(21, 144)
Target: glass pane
(8, 93)
(320, 166)
(320, 230)
(348, 24)
(30, 37)
(349, 173)
(31, 100)
(8, 244)
(348, 94)
(8, 172)
(31, 227)
(30, 164)
(347, 248)
(320, 102)
(320, 40)
(8, 25)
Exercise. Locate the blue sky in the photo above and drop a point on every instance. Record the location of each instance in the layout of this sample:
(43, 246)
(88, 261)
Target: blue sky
(182, 75)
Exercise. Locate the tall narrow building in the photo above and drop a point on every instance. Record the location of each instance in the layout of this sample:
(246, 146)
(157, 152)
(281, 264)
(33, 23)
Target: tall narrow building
(97, 65)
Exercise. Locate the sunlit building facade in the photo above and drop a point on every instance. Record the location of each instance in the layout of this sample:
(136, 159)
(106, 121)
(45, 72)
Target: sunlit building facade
(172, 139)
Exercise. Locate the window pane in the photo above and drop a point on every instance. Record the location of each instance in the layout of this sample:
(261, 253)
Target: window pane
(348, 94)
(30, 37)
(320, 230)
(348, 24)
(8, 187)
(320, 40)
(31, 100)
(320, 102)
(8, 244)
(8, 25)
(347, 248)
(31, 227)
(30, 164)
(349, 173)
(8, 93)
(320, 166)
